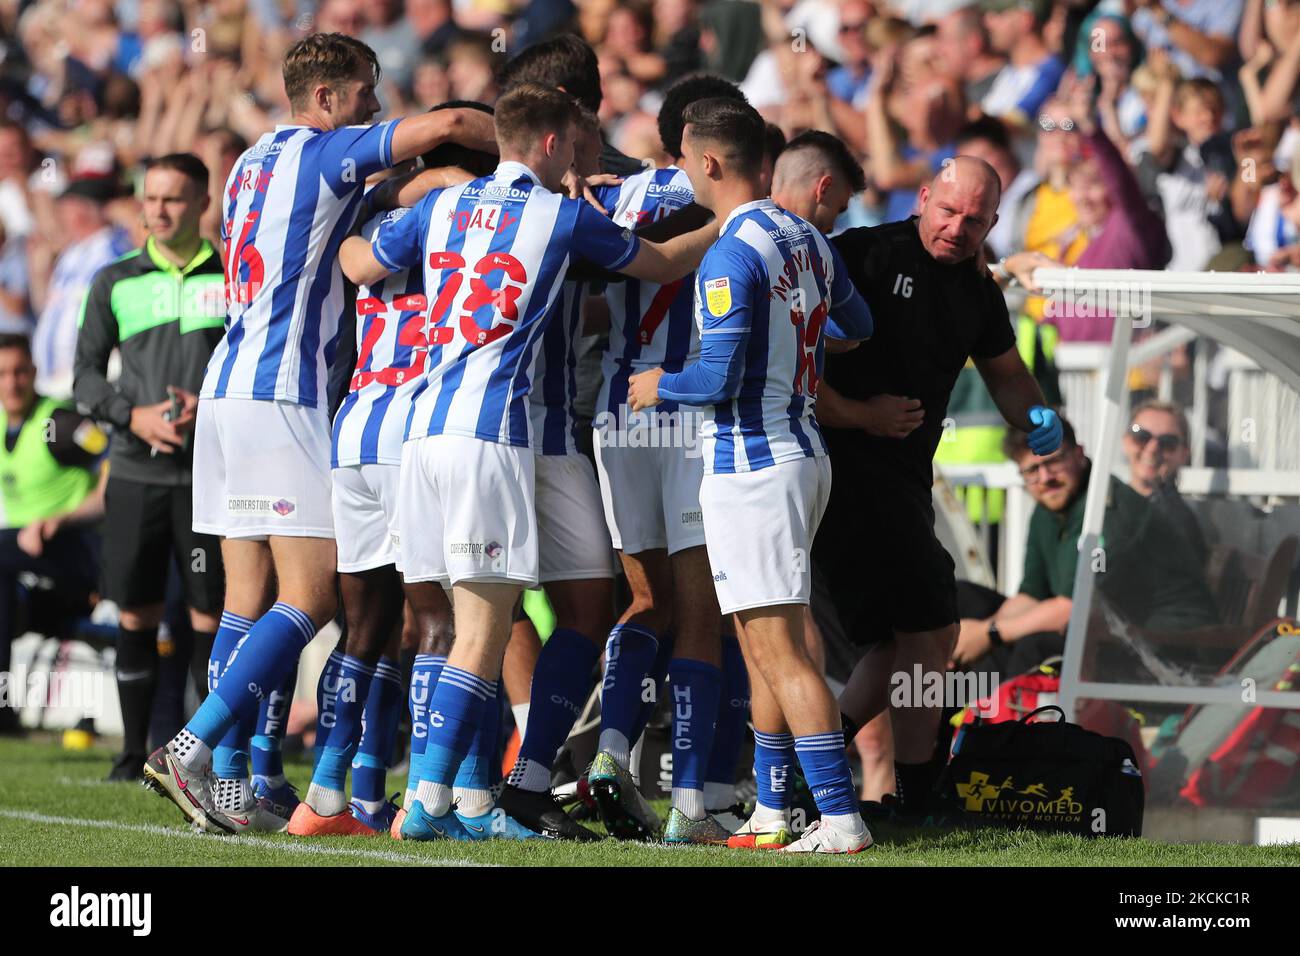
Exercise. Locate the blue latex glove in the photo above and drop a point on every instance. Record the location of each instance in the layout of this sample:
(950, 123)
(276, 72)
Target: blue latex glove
(1046, 436)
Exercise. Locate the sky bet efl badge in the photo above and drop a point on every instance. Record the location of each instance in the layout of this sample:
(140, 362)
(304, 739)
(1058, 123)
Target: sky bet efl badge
(717, 293)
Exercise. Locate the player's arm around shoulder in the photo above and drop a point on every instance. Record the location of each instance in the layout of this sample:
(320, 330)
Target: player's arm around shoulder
(419, 134)
(668, 261)
(398, 244)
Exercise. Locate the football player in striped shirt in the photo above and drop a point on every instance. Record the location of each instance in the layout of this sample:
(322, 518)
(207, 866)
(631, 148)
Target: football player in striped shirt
(494, 252)
(576, 569)
(262, 439)
(765, 293)
(361, 686)
(650, 474)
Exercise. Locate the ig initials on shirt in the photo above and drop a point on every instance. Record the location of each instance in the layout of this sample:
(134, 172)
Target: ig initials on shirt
(903, 286)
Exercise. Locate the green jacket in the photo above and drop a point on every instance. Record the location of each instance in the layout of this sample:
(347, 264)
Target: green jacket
(48, 464)
(164, 320)
(1150, 574)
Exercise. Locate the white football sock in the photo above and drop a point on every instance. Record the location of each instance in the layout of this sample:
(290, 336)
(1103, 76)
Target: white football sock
(767, 818)
(530, 775)
(371, 806)
(689, 802)
(194, 755)
(326, 801)
(849, 823)
(471, 802)
(232, 796)
(520, 712)
(434, 797)
(615, 744)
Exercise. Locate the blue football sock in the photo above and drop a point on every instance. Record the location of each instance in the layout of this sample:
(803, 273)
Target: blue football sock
(729, 733)
(826, 768)
(230, 756)
(773, 757)
(561, 682)
(266, 657)
(379, 733)
(659, 675)
(339, 747)
(474, 775)
(272, 719)
(695, 687)
(327, 694)
(629, 657)
(455, 711)
(424, 677)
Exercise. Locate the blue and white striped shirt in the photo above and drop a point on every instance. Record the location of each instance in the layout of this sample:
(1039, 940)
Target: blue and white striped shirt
(289, 203)
(764, 294)
(650, 326)
(494, 253)
(391, 354)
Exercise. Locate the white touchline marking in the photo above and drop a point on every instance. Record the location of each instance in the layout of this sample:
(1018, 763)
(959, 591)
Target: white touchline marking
(304, 849)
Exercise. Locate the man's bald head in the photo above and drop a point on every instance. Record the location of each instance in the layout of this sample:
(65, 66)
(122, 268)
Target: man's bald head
(958, 209)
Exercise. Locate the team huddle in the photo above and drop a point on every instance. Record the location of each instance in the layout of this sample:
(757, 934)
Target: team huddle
(451, 477)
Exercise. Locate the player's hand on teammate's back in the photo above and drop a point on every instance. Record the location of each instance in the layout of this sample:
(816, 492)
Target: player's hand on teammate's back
(1047, 433)
(149, 425)
(643, 389)
(892, 416)
(579, 187)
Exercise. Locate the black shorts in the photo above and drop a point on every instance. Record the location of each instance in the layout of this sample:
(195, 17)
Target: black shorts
(144, 527)
(881, 565)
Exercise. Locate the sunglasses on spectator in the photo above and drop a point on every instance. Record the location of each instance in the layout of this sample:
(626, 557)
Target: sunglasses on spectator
(853, 27)
(1166, 442)
(1054, 465)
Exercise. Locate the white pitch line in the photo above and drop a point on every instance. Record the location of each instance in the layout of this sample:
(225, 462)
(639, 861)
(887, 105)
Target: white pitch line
(303, 849)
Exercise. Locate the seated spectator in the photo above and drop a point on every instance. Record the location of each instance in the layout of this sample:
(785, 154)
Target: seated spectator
(49, 492)
(1156, 446)
(1150, 575)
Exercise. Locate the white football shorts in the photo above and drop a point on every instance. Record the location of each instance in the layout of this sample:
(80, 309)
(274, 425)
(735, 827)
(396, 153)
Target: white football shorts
(364, 501)
(466, 511)
(759, 527)
(261, 469)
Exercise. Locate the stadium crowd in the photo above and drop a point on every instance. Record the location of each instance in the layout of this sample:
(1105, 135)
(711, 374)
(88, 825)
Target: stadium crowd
(1122, 134)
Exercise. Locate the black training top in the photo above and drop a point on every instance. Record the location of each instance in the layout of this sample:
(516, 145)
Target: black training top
(930, 318)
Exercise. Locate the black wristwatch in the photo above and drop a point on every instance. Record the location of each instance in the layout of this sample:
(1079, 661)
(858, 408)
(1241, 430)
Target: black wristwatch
(995, 636)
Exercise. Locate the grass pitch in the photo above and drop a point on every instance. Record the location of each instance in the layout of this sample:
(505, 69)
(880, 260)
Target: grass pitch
(56, 810)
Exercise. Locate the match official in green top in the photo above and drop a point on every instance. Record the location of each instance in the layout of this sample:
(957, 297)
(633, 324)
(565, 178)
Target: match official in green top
(163, 309)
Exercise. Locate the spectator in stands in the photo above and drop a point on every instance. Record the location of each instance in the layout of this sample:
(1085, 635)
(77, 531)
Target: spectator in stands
(1186, 146)
(1021, 87)
(1150, 576)
(1200, 35)
(1273, 235)
(49, 476)
(1157, 446)
(908, 89)
(964, 47)
(1119, 229)
(91, 243)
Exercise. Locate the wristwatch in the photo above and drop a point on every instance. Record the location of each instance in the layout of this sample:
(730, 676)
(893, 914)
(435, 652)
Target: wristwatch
(995, 636)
